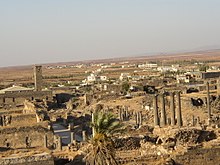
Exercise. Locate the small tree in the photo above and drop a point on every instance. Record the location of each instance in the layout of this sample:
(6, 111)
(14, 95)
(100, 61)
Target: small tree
(125, 86)
(203, 68)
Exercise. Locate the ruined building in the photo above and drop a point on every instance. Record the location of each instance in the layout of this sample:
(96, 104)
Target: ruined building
(24, 124)
(16, 95)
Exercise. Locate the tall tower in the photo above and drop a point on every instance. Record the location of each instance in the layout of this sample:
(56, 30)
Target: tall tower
(38, 77)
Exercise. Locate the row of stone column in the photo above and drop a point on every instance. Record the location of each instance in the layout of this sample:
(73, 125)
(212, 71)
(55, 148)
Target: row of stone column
(208, 100)
(72, 136)
(124, 115)
(138, 118)
(162, 121)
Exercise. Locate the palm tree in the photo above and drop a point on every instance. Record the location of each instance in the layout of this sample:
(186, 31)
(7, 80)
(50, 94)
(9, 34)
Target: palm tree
(101, 146)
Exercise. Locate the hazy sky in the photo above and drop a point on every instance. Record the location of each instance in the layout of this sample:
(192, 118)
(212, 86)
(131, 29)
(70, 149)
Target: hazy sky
(42, 31)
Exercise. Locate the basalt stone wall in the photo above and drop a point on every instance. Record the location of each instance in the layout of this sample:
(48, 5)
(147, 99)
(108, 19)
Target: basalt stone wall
(18, 120)
(199, 157)
(129, 143)
(41, 162)
(107, 96)
(41, 159)
(18, 97)
(192, 157)
(25, 137)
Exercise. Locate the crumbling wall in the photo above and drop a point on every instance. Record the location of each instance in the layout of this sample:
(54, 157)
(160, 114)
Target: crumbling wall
(69, 104)
(113, 87)
(40, 159)
(18, 97)
(25, 137)
(129, 143)
(29, 107)
(199, 157)
(19, 120)
(184, 136)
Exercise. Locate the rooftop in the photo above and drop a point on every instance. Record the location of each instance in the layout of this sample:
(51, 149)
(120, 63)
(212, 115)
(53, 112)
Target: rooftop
(15, 88)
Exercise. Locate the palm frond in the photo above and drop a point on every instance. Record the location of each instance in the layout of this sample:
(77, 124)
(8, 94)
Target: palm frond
(101, 146)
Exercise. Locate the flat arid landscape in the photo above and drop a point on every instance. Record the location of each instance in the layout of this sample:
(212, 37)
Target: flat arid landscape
(165, 106)
(117, 82)
(23, 74)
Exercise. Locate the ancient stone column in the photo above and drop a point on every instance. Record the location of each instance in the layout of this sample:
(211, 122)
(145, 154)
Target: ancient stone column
(126, 114)
(86, 99)
(45, 141)
(172, 108)
(119, 114)
(198, 120)
(156, 118)
(72, 137)
(71, 126)
(140, 118)
(136, 118)
(3, 120)
(93, 129)
(83, 136)
(163, 111)
(169, 121)
(179, 114)
(218, 86)
(123, 114)
(208, 100)
(193, 120)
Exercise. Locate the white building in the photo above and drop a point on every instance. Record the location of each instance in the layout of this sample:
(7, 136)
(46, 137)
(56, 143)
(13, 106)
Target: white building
(124, 76)
(167, 68)
(103, 78)
(147, 65)
(91, 78)
(94, 78)
(183, 78)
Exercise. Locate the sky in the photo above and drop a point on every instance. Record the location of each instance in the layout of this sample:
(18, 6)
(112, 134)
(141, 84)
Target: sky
(46, 31)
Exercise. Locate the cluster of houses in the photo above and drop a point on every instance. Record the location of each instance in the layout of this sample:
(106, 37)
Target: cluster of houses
(180, 74)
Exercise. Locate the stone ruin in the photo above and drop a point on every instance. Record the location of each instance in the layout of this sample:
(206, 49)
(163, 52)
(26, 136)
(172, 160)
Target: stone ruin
(153, 135)
(25, 137)
(29, 107)
(25, 129)
(171, 137)
(16, 98)
(176, 115)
